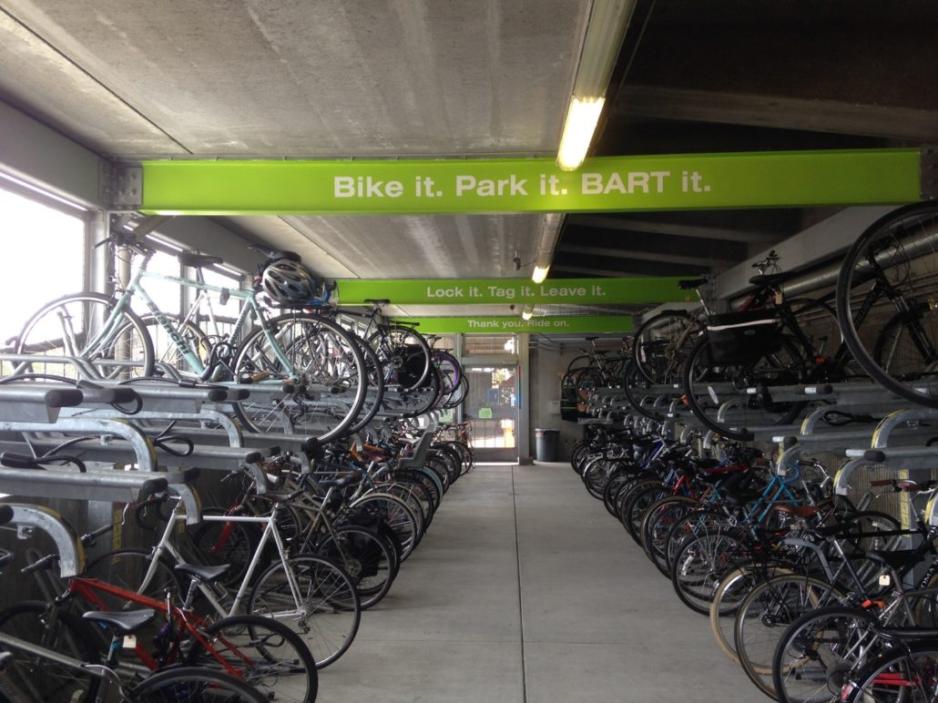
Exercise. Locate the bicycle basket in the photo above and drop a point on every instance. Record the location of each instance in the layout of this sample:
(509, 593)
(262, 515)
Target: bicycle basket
(743, 337)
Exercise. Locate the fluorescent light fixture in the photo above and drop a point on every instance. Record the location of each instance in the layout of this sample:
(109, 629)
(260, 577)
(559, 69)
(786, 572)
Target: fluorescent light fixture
(540, 273)
(582, 117)
(527, 315)
(605, 32)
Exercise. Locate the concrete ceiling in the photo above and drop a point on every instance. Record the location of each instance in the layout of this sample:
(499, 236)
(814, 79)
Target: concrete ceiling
(311, 78)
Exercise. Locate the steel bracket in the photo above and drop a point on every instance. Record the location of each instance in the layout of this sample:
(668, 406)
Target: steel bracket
(121, 185)
(928, 169)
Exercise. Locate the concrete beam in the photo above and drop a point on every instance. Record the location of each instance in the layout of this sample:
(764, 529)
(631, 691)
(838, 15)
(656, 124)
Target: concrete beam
(209, 237)
(39, 155)
(777, 111)
(633, 254)
(819, 242)
(672, 228)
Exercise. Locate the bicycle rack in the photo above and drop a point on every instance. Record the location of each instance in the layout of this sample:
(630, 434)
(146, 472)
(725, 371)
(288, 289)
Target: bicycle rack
(67, 544)
(110, 486)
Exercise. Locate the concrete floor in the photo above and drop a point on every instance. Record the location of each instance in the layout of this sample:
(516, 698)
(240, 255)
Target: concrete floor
(526, 590)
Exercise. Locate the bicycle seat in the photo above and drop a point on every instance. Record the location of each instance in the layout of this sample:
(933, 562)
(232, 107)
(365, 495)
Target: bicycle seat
(767, 280)
(187, 258)
(200, 572)
(6, 514)
(691, 283)
(125, 622)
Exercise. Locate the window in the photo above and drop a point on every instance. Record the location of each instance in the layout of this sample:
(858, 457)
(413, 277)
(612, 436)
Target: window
(43, 259)
(164, 293)
(490, 344)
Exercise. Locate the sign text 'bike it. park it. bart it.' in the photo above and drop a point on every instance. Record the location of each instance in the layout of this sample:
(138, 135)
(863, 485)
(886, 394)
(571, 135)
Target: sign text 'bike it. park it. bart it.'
(609, 183)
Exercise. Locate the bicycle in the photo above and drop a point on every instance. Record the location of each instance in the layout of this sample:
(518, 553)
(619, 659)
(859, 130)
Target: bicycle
(314, 366)
(42, 673)
(315, 596)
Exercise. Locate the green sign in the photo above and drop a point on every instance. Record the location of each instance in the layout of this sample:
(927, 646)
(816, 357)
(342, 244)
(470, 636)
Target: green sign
(509, 324)
(565, 291)
(615, 183)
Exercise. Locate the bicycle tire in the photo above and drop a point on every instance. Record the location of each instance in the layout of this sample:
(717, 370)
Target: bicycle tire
(656, 520)
(330, 603)
(793, 659)
(82, 303)
(852, 271)
(260, 649)
(758, 664)
(189, 684)
(339, 367)
(696, 589)
(50, 682)
(900, 664)
(361, 551)
(396, 513)
(642, 353)
(697, 359)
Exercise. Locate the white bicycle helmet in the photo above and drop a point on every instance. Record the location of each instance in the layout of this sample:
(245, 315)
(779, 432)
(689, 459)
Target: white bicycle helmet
(287, 281)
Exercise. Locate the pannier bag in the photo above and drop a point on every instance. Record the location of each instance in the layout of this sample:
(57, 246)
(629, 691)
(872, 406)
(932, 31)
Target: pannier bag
(743, 337)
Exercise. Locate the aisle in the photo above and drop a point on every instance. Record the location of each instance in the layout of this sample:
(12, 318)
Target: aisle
(599, 622)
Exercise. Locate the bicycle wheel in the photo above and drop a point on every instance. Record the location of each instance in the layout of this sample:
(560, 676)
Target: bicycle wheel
(404, 355)
(909, 674)
(634, 385)
(263, 653)
(714, 392)
(374, 395)
(324, 369)
(63, 632)
(701, 565)
(659, 518)
(325, 611)
(366, 557)
(818, 651)
(884, 293)
(231, 543)
(764, 616)
(396, 513)
(70, 326)
(636, 507)
(127, 568)
(732, 590)
(661, 345)
(194, 685)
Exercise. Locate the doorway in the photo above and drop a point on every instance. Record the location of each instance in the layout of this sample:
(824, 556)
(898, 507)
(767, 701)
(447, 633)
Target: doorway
(492, 405)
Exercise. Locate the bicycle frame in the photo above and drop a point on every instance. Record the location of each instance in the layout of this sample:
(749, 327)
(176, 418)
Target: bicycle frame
(90, 589)
(250, 310)
(166, 546)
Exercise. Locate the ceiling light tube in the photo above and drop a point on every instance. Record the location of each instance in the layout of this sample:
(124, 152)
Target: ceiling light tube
(582, 118)
(540, 273)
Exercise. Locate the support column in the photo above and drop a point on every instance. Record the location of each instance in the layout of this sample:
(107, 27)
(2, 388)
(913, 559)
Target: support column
(100, 266)
(524, 405)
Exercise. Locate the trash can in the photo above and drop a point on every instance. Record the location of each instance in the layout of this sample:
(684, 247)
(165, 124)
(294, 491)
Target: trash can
(545, 444)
